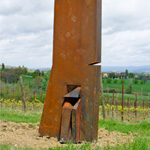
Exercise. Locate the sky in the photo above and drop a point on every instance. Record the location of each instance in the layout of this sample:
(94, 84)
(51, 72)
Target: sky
(26, 33)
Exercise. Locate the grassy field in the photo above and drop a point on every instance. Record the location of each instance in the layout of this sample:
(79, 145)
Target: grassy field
(138, 88)
(141, 142)
(27, 78)
(118, 96)
(19, 116)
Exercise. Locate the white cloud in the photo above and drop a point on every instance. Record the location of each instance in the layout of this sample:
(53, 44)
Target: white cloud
(126, 33)
(26, 32)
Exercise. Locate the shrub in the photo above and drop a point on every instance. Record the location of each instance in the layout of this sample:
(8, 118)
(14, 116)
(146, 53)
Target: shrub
(135, 81)
(122, 81)
(35, 75)
(142, 82)
(129, 88)
(115, 81)
(102, 80)
(109, 80)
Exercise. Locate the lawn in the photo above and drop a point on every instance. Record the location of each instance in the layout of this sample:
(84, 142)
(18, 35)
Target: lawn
(19, 116)
(138, 88)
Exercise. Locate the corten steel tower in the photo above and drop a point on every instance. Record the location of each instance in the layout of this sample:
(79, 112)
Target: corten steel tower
(71, 107)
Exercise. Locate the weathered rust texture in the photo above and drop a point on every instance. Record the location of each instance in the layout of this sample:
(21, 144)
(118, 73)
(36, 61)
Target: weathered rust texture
(70, 123)
(65, 123)
(76, 114)
(77, 45)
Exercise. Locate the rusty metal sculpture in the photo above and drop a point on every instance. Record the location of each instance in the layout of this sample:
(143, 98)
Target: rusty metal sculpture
(71, 106)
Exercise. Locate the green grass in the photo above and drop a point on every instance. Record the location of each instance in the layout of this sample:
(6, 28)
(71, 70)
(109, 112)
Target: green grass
(27, 78)
(86, 146)
(126, 96)
(138, 144)
(14, 116)
(145, 88)
(9, 147)
(113, 125)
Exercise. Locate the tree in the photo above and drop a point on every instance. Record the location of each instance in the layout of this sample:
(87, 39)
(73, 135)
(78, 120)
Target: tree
(103, 80)
(38, 82)
(122, 81)
(127, 73)
(115, 81)
(112, 75)
(12, 75)
(131, 75)
(135, 81)
(45, 80)
(3, 66)
(34, 75)
(142, 82)
(129, 88)
(109, 80)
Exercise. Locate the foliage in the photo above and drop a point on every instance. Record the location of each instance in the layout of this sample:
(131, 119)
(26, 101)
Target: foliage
(103, 80)
(12, 75)
(112, 75)
(142, 82)
(35, 75)
(109, 80)
(115, 81)
(122, 81)
(38, 82)
(3, 66)
(131, 75)
(135, 81)
(129, 88)
(126, 72)
(45, 80)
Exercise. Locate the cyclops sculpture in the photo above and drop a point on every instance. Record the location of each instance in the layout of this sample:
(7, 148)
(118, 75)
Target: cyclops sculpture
(71, 107)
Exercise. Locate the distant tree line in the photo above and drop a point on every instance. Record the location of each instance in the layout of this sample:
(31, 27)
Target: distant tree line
(127, 75)
(11, 75)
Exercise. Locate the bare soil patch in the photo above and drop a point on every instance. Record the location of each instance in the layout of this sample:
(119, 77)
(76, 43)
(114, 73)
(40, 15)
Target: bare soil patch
(26, 135)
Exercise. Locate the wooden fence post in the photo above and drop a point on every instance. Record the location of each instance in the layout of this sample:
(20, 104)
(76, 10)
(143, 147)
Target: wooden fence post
(135, 106)
(143, 109)
(116, 109)
(23, 94)
(103, 99)
(41, 97)
(122, 102)
(108, 105)
(128, 105)
(113, 105)
(13, 93)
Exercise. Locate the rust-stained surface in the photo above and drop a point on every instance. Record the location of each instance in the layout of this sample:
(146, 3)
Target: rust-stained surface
(76, 47)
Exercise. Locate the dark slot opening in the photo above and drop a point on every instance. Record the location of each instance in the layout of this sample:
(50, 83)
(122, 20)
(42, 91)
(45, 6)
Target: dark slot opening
(72, 87)
(72, 101)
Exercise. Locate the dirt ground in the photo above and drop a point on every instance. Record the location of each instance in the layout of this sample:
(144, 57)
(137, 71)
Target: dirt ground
(26, 135)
